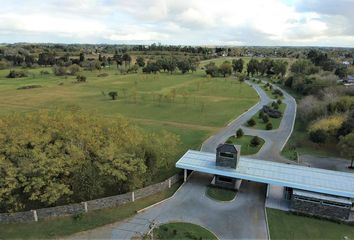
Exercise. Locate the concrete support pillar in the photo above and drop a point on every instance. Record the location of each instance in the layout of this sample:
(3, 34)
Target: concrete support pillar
(268, 187)
(169, 183)
(133, 197)
(85, 207)
(35, 216)
(185, 175)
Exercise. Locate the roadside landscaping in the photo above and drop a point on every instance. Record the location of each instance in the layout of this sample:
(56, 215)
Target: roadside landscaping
(264, 121)
(64, 226)
(249, 144)
(283, 225)
(182, 230)
(271, 92)
(220, 194)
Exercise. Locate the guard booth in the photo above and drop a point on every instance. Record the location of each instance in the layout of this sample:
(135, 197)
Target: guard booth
(227, 156)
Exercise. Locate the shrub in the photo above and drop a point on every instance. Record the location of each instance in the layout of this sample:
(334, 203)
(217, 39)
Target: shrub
(113, 95)
(81, 78)
(318, 136)
(17, 74)
(103, 75)
(44, 72)
(239, 133)
(251, 122)
(347, 126)
(278, 92)
(29, 87)
(330, 124)
(229, 141)
(78, 217)
(261, 114)
(255, 141)
(275, 105)
(269, 126)
(279, 101)
(265, 118)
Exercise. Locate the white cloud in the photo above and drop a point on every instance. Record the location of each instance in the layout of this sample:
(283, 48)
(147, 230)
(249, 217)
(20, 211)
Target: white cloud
(254, 22)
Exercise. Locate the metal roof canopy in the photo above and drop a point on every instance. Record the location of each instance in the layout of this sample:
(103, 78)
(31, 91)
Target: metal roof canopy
(280, 174)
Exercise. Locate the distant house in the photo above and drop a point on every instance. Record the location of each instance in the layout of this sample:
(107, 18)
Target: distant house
(346, 63)
(349, 80)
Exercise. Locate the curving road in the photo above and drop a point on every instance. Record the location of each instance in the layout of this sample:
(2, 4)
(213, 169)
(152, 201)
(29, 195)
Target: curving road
(243, 218)
(275, 139)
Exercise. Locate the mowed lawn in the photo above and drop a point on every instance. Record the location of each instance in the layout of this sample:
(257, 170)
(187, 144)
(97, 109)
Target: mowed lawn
(284, 226)
(191, 105)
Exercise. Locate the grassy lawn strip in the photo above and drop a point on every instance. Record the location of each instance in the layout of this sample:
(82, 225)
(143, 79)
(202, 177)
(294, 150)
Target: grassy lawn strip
(220, 194)
(181, 230)
(275, 121)
(270, 94)
(69, 225)
(283, 225)
(245, 142)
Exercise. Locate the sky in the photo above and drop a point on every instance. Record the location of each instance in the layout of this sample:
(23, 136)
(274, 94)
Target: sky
(180, 22)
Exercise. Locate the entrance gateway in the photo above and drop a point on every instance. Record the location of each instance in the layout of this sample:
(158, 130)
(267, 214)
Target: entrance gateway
(311, 191)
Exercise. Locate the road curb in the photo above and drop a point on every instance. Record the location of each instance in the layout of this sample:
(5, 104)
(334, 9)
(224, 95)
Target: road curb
(164, 200)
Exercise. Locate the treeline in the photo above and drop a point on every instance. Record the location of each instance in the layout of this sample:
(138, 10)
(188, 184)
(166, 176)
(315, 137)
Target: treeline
(316, 72)
(51, 158)
(326, 106)
(52, 54)
(171, 64)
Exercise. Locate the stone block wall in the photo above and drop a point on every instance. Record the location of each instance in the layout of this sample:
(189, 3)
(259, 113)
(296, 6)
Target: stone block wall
(60, 211)
(76, 208)
(318, 209)
(108, 202)
(16, 217)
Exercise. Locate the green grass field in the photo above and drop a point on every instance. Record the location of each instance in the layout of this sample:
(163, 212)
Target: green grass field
(283, 225)
(64, 226)
(189, 105)
(220, 194)
(182, 230)
(244, 141)
(275, 121)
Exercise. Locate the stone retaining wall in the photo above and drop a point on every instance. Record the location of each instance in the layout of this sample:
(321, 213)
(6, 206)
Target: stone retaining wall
(318, 209)
(77, 208)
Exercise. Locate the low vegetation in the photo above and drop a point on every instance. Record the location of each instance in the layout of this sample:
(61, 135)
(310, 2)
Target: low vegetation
(29, 87)
(283, 225)
(267, 118)
(61, 157)
(65, 226)
(182, 230)
(249, 144)
(220, 194)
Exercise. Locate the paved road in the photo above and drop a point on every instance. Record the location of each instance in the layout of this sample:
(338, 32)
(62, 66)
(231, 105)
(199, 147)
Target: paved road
(242, 218)
(274, 139)
(329, 163)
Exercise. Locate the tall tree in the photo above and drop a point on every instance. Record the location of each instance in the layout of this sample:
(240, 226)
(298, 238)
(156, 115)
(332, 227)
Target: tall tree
(140, 61)
(126, 59)
(225, 68)
(252, 67)
(237, 65)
